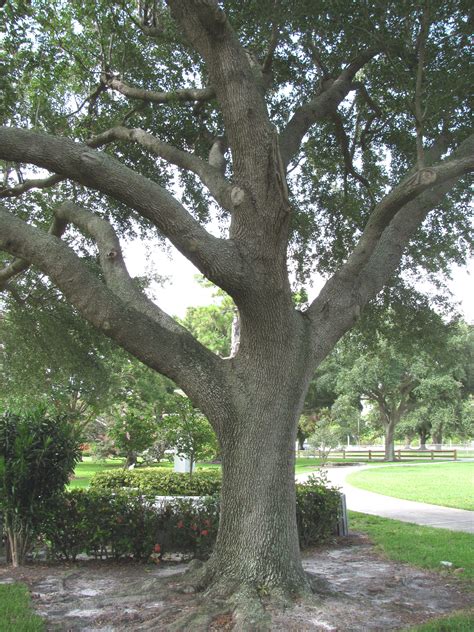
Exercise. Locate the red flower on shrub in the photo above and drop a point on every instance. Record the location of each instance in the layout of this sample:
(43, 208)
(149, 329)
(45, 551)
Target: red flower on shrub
(194, 527)
(157, 548)
(180, 524)
(204, 532)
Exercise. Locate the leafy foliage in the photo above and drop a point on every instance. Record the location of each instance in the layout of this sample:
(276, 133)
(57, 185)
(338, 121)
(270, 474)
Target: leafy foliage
(114, 522)
(187, 430)
(38, 453)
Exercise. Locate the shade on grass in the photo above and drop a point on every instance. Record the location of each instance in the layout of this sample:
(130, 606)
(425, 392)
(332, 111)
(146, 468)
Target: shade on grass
(461, 622)
(447, 484)
(15, 610)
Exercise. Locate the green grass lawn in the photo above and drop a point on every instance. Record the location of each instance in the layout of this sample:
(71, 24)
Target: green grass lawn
(15, 610)
(421, 546)
(447, 484)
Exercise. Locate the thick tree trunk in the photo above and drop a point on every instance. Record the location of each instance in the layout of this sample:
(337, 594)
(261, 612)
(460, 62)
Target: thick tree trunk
(257, 542)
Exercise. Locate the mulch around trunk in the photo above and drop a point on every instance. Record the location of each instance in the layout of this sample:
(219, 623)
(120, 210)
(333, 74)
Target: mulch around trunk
(358, 590)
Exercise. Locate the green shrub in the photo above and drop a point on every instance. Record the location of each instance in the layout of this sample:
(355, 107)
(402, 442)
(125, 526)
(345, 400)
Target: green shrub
(116, 524)
(113, 520)
(160, 482)
(38, 453)
(317, 511)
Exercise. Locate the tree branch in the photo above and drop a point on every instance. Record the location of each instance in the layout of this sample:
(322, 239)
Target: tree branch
(238, 90)
(395, 221)
(174, 353)
(324, 103)
(176, 96)
(34, 183)
(209, 175)
(218, 259)
(112, 263)
(409, 189)
(17, 266)
(343, 140)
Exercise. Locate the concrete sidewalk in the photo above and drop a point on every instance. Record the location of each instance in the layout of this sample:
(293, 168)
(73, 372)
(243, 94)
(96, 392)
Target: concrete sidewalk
(396, 508)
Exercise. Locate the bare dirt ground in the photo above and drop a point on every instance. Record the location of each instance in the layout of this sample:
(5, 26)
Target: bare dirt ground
(358, 591)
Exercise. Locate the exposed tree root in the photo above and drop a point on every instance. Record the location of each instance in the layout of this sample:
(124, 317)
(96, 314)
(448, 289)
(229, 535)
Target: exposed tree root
(250, 605)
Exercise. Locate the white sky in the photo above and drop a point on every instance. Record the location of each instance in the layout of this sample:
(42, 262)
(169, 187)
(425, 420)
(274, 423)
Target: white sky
(183, 291)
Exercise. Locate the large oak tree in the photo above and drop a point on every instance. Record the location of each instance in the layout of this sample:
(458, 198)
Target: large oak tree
(325, 136)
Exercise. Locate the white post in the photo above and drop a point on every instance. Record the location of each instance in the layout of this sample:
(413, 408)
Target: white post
(182, 465)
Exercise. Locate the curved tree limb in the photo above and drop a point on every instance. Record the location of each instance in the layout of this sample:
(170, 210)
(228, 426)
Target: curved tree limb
(218, 259)
(238, 90)
(341, 300)
(409, 189)
(17, 266)
(174, 352)
(112, 263)
(27, 185)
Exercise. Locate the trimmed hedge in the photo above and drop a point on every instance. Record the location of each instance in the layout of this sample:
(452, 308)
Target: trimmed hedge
(121, 524)
(159, 482)
(117, 522)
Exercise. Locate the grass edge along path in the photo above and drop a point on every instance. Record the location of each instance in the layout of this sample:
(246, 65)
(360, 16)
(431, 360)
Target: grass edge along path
(421, 546)
(425, 547)
(444, 484)
(16, 613)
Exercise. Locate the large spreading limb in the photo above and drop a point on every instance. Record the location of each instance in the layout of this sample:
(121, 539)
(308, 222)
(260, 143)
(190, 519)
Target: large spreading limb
(218, 259)
(209, 175)
(238, 91)
(321, 106)
(174, 352)
(365, 273)
(410, 188)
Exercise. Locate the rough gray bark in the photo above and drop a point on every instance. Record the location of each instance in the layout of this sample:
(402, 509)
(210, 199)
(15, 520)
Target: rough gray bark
(253, 399)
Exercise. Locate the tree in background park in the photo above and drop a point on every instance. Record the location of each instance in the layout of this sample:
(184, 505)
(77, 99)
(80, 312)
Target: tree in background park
(324, 137)
(185, 429)
(410, 371)
(212, 324)
(128, 425)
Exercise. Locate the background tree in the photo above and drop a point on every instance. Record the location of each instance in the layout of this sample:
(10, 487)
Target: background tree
(276, 115)
(327, 435)
(187, 430)
(128, 424)
(212, 324)
(408, 369)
